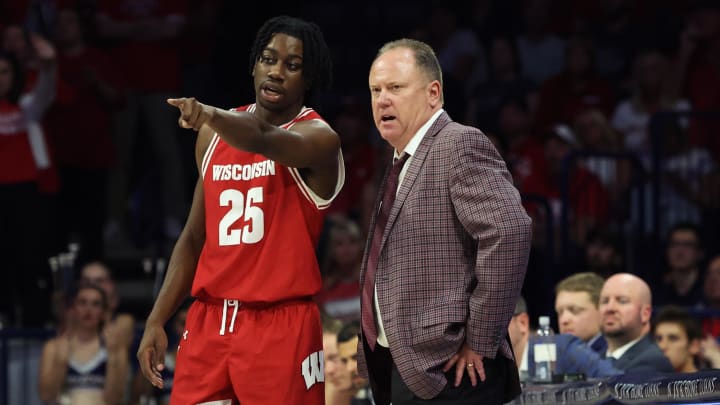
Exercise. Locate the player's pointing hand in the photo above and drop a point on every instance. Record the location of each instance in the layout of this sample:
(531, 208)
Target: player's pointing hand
(193, 114)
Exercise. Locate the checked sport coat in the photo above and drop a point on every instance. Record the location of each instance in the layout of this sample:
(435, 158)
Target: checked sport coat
(453, 256)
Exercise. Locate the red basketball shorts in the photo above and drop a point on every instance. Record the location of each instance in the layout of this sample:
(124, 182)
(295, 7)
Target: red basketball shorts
(253, 355)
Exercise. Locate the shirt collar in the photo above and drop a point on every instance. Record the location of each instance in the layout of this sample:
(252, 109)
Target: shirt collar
(622, 349)
(417, 138)
(593, 339)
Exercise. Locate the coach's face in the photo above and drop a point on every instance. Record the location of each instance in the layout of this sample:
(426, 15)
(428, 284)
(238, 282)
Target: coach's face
(402, 97)
(278, 74)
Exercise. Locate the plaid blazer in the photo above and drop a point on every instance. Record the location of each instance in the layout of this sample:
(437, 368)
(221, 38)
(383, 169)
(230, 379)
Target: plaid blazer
(453, 256)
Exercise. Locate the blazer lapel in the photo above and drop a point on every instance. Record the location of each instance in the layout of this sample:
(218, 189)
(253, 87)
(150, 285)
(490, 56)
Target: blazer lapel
(416, 163)
(413, 170)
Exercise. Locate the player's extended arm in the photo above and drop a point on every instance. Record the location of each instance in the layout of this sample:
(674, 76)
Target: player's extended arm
(310, 145)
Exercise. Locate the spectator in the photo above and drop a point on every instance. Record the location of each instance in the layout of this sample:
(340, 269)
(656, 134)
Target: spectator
(650, 95)
(710, 352)
(711, 296)
(340, 296)
(686, 171)
(83, 364)
(576, 89)
(695, 70)
(120, 324)
(519, 333)
(339, 389)
(678, 335)
(587, 198)
(604, 252)
(25, 295)
(525, 155)
(626, 307)
(146, 30)
(461, 57)
(79, 131)
(576, 304)
(352, 123)
(26, 47)
(347, 341)
(682, 282)
(597, 136)
(541, 52)
(573, 356)
(504, 80)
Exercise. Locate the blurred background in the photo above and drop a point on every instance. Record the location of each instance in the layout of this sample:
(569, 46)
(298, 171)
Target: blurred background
(607, 113)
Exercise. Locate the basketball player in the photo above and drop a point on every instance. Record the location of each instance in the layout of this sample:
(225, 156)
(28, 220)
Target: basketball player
(247, 252)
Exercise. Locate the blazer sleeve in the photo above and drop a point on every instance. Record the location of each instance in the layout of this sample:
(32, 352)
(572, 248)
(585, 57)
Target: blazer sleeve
(574, 356)
(488, 206)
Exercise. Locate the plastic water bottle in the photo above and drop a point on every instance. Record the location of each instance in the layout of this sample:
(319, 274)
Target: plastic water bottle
(544, 352)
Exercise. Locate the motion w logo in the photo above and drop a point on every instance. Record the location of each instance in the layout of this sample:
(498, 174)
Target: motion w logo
(313, 369)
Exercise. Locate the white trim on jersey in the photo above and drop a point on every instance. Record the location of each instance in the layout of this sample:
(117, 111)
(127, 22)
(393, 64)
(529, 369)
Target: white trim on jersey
(219, 402)
(208, 153)
(303, 112)
(320, 202)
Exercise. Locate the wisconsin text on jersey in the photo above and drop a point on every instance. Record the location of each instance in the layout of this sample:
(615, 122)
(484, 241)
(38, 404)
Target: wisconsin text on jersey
(243, 172)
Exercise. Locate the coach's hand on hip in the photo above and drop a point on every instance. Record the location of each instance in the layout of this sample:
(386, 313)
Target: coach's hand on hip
(193, 114)
(466, 359)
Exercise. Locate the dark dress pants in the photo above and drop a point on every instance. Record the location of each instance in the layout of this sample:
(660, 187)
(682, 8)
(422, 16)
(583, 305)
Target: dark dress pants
(387, 385)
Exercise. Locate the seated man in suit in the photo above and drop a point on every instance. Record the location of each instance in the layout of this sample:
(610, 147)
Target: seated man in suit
(626, 307)
(576, 304)
(573, 356)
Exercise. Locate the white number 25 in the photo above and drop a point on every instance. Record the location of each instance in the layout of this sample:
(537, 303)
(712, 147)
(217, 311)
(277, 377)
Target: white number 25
(240, 207)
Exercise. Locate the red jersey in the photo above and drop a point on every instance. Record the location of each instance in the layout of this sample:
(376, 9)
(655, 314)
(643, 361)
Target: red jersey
(262, 225)
(17, 163)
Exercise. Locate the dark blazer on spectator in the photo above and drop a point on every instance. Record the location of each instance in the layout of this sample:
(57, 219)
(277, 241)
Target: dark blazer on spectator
(644, 356)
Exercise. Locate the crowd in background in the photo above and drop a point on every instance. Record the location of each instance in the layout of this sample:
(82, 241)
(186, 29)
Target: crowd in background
(566, 91)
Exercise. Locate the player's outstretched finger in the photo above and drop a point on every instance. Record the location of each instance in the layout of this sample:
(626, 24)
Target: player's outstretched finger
(176, 102)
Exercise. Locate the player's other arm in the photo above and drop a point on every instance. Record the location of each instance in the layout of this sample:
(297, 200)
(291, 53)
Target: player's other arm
(311, 146)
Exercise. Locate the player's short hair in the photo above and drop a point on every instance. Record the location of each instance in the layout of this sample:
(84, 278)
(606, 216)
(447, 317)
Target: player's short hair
(425, 58)
(589, 282)
(317, 62)
(679, 316)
